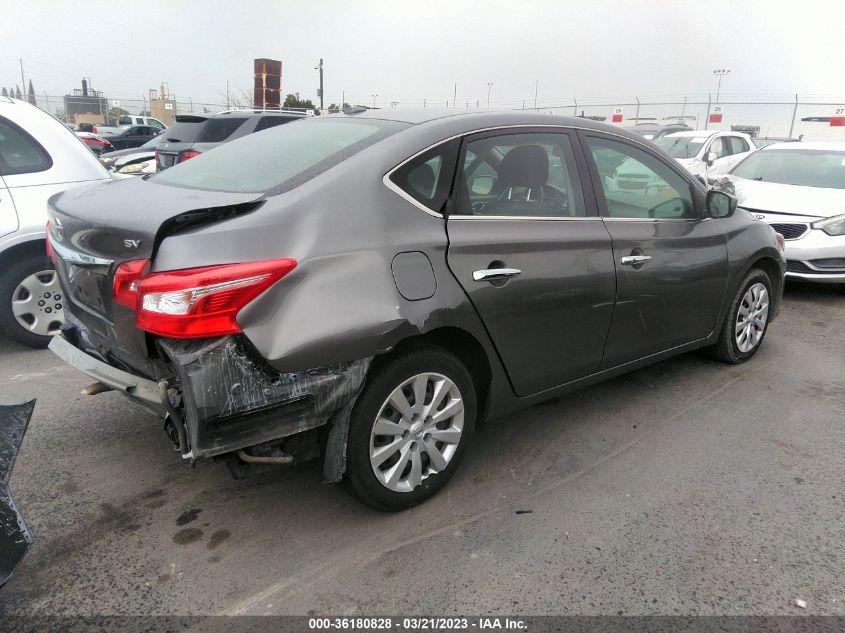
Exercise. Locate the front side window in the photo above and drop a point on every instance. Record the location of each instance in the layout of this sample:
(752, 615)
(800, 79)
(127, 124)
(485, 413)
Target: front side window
(719, 147)
(737, 145)
(523, 175)
(638, 185)
(19, 152)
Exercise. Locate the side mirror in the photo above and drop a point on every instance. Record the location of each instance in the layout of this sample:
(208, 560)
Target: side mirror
(720, 204)
(710, 158)
(482, 185)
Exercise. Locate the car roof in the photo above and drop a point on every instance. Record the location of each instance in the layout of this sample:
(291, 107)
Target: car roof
(249, 112)
(830, 146)
(474, 120)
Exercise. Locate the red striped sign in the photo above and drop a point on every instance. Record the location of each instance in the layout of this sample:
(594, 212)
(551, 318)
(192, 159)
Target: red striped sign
(716, 115)
(838, 118)
(617, 115)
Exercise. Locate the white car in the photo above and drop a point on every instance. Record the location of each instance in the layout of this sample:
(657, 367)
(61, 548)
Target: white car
(134, 119)
(799, 189)
(39, 156)
(707, 154)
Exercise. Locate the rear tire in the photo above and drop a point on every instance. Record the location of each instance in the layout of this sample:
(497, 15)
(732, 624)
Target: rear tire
(27, 314)
(747, 320)
(423, 400)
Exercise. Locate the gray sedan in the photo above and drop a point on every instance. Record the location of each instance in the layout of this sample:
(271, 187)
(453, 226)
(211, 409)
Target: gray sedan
(366, 287)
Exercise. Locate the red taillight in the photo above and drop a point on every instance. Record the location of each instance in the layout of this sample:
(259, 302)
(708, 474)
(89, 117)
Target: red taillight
(50, 252)
(126, 279)
(189, 154)
(198, 302)
(93, 129)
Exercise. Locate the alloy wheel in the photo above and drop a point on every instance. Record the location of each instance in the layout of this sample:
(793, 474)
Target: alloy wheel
(751, 317)
(37, 303)
(417, 431)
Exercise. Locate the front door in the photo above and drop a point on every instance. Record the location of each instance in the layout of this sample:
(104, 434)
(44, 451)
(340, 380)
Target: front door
(671, 262)
(528, 248)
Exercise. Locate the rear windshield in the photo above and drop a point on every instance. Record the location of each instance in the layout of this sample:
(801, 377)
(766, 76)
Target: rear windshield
(218, 130)
(182, 132)
(280, 158)
(802, 167)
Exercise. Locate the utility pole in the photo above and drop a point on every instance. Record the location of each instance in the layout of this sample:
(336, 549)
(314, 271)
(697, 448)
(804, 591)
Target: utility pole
(374, 101)
(455, 96)
(23, 83)
(320, 92)
(536, 88)
(720, 72)
(425, 101)
(227, 94)
(489, 86)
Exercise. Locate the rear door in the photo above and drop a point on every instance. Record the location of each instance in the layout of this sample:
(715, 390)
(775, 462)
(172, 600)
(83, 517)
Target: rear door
(8, 215)
(671, 261)
(527, 246)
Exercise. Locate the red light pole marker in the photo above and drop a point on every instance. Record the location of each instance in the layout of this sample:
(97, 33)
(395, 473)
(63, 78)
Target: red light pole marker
(617, 115)
(838, 118)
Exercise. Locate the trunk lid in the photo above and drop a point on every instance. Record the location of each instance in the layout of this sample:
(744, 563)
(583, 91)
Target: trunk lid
(95, 229)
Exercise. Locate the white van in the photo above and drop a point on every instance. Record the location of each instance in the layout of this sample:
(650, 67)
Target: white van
(39, 156)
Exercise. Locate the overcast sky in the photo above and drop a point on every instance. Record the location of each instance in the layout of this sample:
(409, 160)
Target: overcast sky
(410, 51)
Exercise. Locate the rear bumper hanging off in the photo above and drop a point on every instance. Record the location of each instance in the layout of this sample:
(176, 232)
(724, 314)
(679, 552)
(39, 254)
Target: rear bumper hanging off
(230, 397)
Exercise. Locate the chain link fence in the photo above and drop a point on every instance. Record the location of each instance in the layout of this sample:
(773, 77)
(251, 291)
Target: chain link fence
(805, 117)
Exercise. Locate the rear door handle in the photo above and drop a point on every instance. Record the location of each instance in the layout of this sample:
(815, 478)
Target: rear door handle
(492, 274)
(633, 260)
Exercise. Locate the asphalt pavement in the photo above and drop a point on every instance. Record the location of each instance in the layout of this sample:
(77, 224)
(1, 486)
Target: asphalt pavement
(690, 487)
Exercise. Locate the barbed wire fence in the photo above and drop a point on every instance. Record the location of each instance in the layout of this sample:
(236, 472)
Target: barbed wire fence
(805, 116)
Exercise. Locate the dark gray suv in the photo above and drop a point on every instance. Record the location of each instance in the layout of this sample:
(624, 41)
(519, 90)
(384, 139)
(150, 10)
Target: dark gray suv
(194, 134)
(365, 287)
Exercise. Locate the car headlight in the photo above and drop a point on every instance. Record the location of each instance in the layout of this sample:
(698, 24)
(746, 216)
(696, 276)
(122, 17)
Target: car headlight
(832, 226)
(132, 168)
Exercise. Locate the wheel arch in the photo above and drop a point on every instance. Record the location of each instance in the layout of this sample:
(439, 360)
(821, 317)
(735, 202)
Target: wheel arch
(462, 344)
(770, 266)
(28, 248)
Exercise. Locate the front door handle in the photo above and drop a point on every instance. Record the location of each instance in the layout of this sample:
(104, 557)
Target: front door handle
(633, 260)
(493, 274)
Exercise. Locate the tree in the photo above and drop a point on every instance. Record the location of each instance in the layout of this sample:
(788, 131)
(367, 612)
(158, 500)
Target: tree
(294, 101)
(4, 92)
(30, 93)
(18, 94)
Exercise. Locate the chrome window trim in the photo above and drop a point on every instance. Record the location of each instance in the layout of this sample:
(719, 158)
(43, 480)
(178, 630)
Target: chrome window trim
(525, 217)
(76, 257)
(402, 194)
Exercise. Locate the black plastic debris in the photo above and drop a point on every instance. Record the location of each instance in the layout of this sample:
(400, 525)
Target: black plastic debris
(15, 538)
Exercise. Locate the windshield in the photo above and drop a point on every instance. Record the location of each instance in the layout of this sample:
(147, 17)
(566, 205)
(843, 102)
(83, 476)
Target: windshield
(804, 168)
(681, 146)
(280, 158)
(183, 131)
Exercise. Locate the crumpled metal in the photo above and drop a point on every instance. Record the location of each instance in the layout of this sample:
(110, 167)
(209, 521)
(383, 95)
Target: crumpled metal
(15, 538)
(234, 399)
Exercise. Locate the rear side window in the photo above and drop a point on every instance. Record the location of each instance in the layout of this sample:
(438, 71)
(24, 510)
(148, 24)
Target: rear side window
(737, 145)
(219, 129)
(19, 152)
(428, 178)
(267, 122)
(279, 159)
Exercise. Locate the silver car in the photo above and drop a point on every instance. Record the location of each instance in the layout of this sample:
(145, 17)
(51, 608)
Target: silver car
(799, 189)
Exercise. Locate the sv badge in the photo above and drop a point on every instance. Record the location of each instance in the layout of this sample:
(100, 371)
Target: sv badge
(131, 243)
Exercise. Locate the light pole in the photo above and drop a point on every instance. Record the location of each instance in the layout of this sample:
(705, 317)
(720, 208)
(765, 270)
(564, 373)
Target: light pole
(720, 72)
(320, 92)
(489, 86)
(374, 100)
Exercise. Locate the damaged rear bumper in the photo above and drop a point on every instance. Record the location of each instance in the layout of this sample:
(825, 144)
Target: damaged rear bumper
(15, 538)
(223, 394)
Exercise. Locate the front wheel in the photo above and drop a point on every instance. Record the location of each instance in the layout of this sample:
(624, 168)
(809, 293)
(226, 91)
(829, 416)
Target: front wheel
(747, 320)
(409, 428)
(31, 301)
